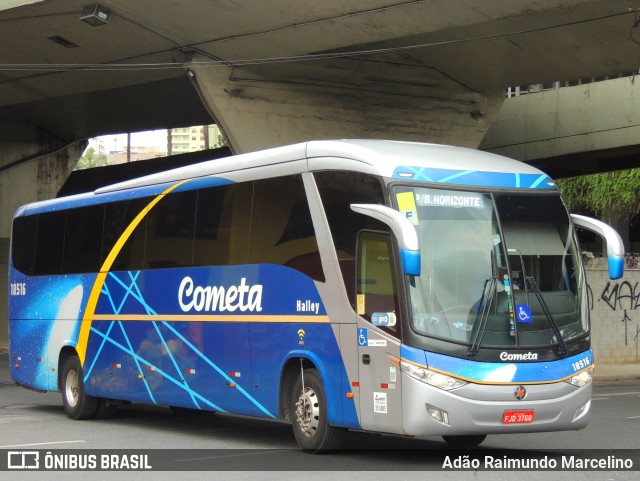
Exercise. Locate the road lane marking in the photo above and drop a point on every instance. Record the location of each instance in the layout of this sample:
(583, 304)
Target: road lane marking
(632, 393)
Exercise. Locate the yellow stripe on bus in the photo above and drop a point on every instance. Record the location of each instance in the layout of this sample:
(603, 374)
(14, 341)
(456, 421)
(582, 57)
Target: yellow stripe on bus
(494, 383)
(88, 316)
(210, 318)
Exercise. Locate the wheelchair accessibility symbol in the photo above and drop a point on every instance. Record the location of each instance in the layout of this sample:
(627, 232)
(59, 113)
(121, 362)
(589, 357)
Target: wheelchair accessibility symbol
(523, 312)
(363, 337)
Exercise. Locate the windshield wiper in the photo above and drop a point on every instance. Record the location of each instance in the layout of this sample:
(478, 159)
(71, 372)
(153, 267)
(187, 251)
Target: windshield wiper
(545, 309)
(485, 305)
(484, 316)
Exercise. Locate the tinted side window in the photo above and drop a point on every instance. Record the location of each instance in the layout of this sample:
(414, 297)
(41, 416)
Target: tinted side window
(118, 216)
(23, 243)
(170, 230)
(266, 221)
(338, 190)
(222, 225)
(50, 243)
(281, 228)
(83, 240)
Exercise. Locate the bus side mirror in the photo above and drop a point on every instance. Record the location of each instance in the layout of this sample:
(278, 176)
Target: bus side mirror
(615, 247)
(404, 231)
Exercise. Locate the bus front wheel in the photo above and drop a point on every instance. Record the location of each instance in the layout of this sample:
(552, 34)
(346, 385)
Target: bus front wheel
(309, 407)
(76, 403)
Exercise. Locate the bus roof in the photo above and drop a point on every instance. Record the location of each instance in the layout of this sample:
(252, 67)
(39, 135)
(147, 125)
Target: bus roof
(393, 159)
(381, 157)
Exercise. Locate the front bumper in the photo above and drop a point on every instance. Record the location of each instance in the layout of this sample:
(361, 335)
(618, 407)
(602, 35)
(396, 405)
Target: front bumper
(479, 408)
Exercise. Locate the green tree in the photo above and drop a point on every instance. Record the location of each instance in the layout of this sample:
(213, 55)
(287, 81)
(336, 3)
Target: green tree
(221, 141)
(90, 159)
(613, 196)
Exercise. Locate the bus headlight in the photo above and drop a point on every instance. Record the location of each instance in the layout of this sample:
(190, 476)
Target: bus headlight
(436, 379)
(582, 378)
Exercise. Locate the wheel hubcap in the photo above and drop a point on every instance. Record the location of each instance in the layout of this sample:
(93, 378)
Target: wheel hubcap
(308, 412)
(71, 388)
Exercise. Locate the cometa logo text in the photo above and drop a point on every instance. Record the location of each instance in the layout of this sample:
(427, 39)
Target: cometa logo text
(242, 297)
(518, 356)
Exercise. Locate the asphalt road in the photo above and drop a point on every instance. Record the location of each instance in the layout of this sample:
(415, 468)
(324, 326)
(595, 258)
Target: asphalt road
(242, 448)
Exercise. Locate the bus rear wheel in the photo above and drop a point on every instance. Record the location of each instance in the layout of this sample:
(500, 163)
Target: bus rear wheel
(76, 403)
(468, 441)
(311, 427)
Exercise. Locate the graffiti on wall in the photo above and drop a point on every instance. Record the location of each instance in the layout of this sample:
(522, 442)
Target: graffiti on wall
(623, 297)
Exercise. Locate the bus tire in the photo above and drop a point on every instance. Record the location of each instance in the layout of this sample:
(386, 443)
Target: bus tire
(310, 422)
(468, 441)
(76, 403)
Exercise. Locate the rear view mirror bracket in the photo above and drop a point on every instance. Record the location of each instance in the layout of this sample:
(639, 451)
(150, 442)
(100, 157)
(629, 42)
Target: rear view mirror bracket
(404, 231)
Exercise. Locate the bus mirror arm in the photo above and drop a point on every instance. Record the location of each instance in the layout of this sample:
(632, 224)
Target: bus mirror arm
(402, 228)
(615, 247)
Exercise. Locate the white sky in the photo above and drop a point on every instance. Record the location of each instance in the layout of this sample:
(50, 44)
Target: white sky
(138, 139)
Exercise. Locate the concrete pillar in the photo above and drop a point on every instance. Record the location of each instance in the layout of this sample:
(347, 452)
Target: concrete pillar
(263, 106)
(33, 166)
(4, 265)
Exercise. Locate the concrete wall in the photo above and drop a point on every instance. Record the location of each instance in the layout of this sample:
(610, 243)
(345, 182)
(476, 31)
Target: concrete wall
(615, 315)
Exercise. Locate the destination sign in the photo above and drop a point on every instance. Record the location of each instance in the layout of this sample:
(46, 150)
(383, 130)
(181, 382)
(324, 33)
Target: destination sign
(460, 200)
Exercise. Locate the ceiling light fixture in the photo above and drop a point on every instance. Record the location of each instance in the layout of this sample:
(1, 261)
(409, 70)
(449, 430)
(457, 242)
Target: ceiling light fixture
(95, 15)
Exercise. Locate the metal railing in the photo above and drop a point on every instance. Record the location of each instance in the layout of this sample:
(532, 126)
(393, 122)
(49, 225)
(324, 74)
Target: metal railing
(542, 87)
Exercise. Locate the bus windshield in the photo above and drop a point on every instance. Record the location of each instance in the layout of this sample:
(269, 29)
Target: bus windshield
(498, 269)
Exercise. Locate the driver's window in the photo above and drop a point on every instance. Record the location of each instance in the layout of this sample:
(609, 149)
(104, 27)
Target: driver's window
(376, 290)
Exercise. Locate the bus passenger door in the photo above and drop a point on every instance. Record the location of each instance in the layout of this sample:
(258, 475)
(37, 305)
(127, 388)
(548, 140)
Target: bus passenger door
(378, 334)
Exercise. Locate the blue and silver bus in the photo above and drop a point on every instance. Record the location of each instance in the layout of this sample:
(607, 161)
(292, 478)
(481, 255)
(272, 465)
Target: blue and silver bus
(379, 286)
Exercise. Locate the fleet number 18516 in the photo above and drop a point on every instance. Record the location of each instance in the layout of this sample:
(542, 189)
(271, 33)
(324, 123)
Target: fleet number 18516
(581, 364)
(18, 289)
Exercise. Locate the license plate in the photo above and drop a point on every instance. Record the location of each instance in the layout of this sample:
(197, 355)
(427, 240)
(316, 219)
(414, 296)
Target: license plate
(518, 417)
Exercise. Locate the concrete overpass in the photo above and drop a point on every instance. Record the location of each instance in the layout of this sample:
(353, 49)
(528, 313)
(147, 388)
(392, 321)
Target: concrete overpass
(258, 67)
(590, 126)
(277, 72)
